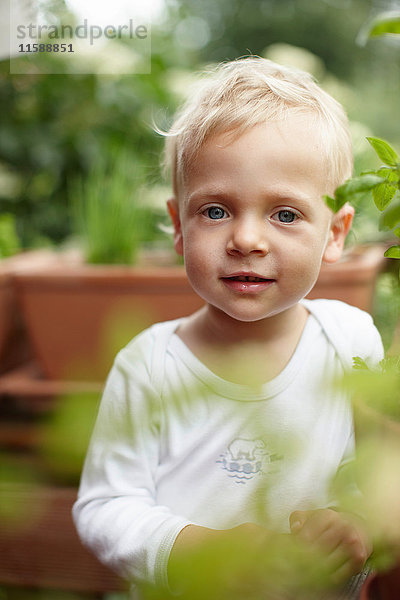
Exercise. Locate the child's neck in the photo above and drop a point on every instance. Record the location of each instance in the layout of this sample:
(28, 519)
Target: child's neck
(218, 328)
(242, 352)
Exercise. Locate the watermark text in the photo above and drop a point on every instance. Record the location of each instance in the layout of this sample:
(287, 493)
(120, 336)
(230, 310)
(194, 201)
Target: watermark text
(82, 31)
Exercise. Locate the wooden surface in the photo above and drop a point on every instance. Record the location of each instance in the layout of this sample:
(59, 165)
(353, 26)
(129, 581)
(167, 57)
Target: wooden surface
(39, 546)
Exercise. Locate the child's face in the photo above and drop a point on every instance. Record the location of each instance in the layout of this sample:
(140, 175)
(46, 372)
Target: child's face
(253, 208)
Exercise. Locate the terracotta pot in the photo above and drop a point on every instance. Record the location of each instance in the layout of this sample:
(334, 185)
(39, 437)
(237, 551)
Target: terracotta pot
(388, 584)
(382, 586)
(6, 309)
(13, 343)
(368, 590)
(353, 278)
(78, 315)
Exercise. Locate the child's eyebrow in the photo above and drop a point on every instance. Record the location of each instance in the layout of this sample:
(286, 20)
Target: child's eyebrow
(292, 197)
(212, 194)
(286, 196)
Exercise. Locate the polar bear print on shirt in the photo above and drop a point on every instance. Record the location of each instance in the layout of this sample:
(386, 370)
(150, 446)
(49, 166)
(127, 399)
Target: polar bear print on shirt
(249, 449)
(244, 458)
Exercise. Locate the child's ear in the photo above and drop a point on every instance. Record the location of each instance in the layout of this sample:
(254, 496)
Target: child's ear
(340, 227)
(173, 209)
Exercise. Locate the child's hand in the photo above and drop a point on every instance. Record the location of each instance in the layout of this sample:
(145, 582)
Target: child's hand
(341, 537)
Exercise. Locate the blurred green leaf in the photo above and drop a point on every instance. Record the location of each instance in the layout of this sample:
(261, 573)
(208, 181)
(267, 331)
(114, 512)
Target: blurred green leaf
(384, 151)
(357, 185)
(359, 363)
(62, 453)
(384, 193)
(334, 204)
(393, 252)
(378, 389)
(390, 173)
(391, 217)
(385, 23)
(384, 172)
(351, 188)
(9, 242)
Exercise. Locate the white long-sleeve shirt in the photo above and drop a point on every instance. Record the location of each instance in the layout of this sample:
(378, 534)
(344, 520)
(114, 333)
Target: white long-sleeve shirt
(174, 444)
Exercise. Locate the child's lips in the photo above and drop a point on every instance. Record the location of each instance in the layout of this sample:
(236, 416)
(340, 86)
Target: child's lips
(247, 282)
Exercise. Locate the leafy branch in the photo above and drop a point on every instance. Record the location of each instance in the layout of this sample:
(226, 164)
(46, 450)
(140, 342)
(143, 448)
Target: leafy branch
(383, 183)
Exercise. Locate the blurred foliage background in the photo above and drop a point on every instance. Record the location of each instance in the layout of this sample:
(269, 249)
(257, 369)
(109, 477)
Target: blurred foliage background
(53, 128)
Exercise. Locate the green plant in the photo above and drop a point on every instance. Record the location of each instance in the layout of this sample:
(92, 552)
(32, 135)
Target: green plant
(379, 393)
(376, 404)
(384, 183)
(376, 397)
(107, 211)
(9, 242)
(376, 393)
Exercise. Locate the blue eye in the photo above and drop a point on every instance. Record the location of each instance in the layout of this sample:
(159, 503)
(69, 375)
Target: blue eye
(286, 216)
(215, 212)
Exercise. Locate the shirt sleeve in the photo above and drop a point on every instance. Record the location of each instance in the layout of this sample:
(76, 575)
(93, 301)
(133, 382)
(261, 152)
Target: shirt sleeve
(351, 331)
(370, 346)
(116, 513)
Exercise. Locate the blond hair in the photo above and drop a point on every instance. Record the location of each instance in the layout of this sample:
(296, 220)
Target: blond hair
(234, 96)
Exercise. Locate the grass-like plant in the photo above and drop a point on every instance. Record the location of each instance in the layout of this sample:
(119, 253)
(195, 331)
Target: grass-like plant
(107, 211)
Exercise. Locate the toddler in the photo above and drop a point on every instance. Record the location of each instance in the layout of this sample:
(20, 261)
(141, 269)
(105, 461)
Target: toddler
(210, 469)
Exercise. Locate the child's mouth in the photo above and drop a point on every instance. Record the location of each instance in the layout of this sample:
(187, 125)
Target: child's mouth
(247, 283)
(247, 278)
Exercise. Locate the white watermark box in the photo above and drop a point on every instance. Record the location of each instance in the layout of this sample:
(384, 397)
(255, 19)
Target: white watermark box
(80, 37)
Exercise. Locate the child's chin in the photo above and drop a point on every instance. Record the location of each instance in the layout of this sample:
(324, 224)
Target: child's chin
(247, 316)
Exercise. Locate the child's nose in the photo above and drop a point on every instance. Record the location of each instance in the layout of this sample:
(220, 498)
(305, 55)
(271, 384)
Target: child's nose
(248, 236)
